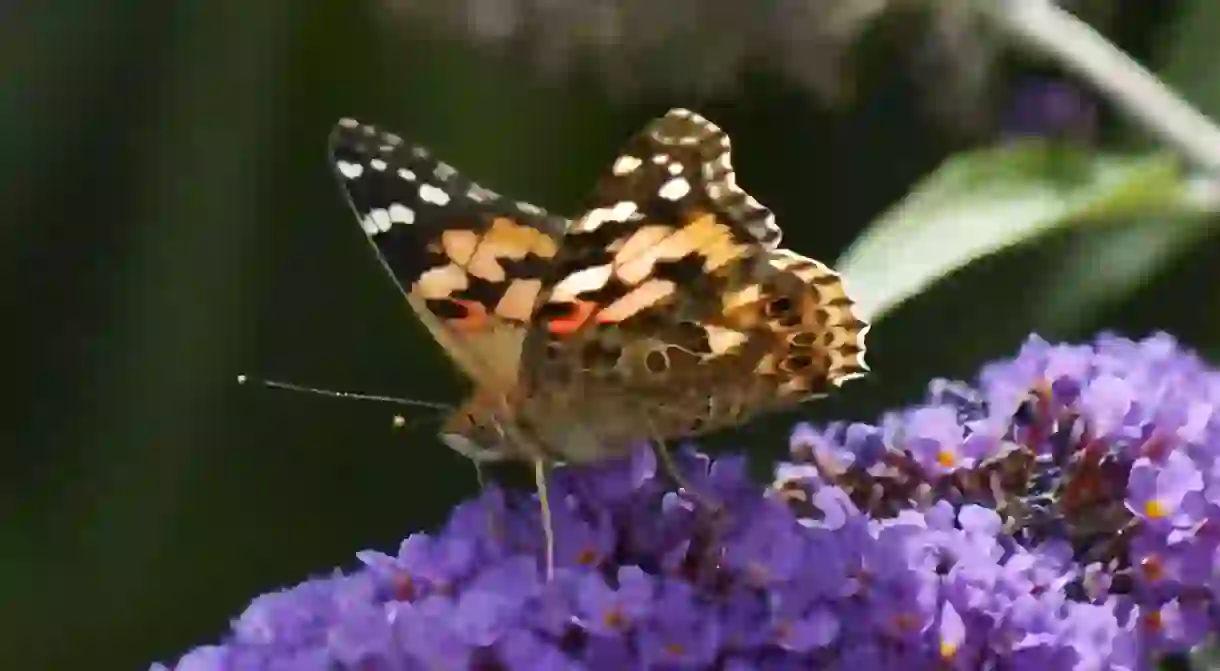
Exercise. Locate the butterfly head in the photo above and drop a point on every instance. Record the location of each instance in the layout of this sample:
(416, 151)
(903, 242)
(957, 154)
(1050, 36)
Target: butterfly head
(478, 430)
(489, 428)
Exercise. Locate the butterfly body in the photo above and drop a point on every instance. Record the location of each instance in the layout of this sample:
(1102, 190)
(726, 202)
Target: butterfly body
(666, 309)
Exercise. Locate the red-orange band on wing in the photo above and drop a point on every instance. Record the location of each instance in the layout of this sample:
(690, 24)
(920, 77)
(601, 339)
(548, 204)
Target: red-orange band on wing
(567, 325)
(476, 317)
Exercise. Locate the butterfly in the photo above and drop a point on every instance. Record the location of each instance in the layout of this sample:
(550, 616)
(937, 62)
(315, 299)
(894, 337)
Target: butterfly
(665, 309)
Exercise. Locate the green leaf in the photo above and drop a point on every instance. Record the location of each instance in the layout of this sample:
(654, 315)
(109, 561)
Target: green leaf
(1111, 265)
(985, 201)
(1189, 64)
(1093, 272)
(1189, 56)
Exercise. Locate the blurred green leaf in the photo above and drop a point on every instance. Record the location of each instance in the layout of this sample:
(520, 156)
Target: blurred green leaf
(1190, 65)
(1094, 271)
(1098, 270)
(1189, 57)
(985, 201)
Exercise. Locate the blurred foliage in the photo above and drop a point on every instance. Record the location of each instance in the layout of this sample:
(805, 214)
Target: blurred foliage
(1024, 192)
(170, 222)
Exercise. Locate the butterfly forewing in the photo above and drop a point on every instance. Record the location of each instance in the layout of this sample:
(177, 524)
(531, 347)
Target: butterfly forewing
(670, 306)
(678, 163)
(662, 229)
(470, 261)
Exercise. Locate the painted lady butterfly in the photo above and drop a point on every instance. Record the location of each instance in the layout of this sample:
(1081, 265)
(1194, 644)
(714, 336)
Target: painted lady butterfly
(666, 309)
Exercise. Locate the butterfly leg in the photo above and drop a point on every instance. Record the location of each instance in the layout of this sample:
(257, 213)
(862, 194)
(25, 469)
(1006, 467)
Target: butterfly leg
(547, 525)
(479, 474)
(671, 469)
(495, 514)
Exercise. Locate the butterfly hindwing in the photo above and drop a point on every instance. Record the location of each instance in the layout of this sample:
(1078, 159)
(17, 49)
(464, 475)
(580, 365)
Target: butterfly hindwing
(470, 262)
(813, 339)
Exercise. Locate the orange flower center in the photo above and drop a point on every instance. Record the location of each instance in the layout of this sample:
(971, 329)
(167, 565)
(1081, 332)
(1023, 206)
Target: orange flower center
(946, 458)
(1156, 510)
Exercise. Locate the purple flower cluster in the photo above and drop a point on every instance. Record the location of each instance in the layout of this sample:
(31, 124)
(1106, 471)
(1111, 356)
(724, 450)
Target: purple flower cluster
(1062, 514)
(1099, 463)
(1043, 107)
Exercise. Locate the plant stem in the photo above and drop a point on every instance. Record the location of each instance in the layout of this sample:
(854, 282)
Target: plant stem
(1055, 32)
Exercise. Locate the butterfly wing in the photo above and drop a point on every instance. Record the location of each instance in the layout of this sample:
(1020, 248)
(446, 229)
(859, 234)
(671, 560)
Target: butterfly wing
(469, 261)
(671, 302)
(794, 312)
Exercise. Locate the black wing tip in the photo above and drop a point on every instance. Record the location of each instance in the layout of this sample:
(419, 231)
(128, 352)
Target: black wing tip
(346, 131)
(680, 120)
(351, 135)
(352, 127)
(687, 115)
(683, 127)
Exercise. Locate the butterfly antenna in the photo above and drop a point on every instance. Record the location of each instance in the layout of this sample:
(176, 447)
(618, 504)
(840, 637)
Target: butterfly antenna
(289, 386)
(401, 423)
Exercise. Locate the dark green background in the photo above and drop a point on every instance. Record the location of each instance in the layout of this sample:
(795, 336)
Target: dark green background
(169, 221)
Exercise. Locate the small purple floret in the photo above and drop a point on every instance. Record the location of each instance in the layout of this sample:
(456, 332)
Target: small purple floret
(1062, 513)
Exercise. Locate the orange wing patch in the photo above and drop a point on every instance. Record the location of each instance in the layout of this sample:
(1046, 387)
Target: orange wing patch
(639, 252)
(627, 285)
(482, 291)
(570, 323)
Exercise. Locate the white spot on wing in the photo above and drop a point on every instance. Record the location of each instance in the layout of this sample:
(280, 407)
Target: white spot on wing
(377, 164)
(674, 189)
(406, 174)
(401, 214)
(441, 282)
(625, 164)
(621, 211)
(443, 171)
(376, 221)
(434, 195)
(480, 194)
(589, 279)
(350, 170)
